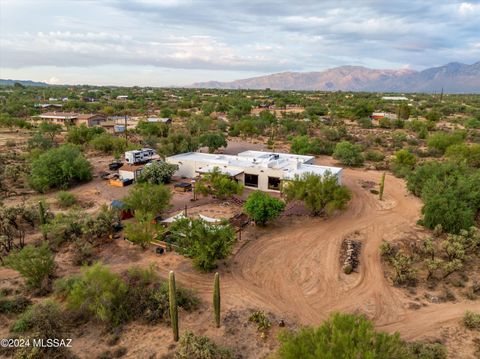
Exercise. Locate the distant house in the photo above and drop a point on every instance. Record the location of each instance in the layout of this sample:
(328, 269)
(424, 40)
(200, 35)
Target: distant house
(166, 120)
(394, 98)
(90, 120)
(70, 118)
(58, 118)
(380, 115)
(48, 105)
(122, 97)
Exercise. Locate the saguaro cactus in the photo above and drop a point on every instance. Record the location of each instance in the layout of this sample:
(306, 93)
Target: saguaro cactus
(216, 299)
(172, 298)
(41, 213)
(382, 186)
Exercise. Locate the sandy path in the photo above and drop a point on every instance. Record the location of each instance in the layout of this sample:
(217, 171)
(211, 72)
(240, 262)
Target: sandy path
(293, 269)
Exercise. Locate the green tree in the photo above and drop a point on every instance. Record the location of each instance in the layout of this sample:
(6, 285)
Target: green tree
(218, 184)
(143, 231)
(100, 293)
(59, 167)
(262, 208)
(35, 264)
(469, 154)
(148, 198)
(82, 134)
(157, 173)
(348, 154)
(403, 162)
(50, 130)
(204, 242)
(342, 336)
(213, 140)
(321, 194)
(441, 141)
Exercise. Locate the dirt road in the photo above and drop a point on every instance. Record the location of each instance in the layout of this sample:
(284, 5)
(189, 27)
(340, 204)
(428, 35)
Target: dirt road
(293, 268)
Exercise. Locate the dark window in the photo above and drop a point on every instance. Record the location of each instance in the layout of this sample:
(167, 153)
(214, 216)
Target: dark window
(251, 180)
(274, 183)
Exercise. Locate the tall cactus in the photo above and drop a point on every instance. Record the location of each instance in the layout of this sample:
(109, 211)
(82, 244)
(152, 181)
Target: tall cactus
(41, 213)
(216, 299)
(172, 298)
(382, 186)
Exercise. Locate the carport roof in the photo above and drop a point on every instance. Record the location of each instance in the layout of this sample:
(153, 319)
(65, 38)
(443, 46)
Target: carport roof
(227, 170)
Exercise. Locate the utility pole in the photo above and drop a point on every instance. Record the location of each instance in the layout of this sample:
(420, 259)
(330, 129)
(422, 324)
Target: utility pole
(441, 95)
(126, 134)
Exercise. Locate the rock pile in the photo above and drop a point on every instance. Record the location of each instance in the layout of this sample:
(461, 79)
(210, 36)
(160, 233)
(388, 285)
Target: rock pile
(352, 255)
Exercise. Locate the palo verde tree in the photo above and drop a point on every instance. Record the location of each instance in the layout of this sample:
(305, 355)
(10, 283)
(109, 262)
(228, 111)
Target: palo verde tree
(350, 336)
(148, 198)
(35, 264)
(348, 154)
(262, 208)
(204, 242)
(217, 184)
(321, 194)
(59, 168)
(213, 140)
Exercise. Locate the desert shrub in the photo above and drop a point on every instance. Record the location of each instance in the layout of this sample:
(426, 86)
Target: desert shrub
(365, 122)
(200, 347)
(374, 156)
(100, 293)
(321, 194)
(422, 350)
(402, 264)
(66, 199)
(385, 122)
(82, 134)
(35, 264)
(155, 129)
(450, 192)
(137, 294)
(14, 305)
(59, 168)
(303, 145)
(143, 231)
(261, 320)
(342, 336)
(108, 143)
(157, 173)
(441, 141)
(471, 320)
(43, 320)
(262, 208)
(204, 242)
(464, 153)
(348, 154)
(403, 162)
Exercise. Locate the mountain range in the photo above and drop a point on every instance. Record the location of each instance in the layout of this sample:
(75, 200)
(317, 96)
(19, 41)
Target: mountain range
(8, 82)
(452, 78)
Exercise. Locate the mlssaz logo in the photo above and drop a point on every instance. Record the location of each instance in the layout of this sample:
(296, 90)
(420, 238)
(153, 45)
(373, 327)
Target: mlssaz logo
(52, 343)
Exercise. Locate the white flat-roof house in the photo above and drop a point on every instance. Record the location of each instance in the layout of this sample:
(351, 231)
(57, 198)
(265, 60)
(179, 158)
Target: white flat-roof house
(255, 169)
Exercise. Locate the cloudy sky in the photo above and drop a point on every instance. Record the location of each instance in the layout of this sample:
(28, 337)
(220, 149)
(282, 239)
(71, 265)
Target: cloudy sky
(178, 42)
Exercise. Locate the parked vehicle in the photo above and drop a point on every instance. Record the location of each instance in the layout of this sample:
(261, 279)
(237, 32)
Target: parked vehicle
(114, 166)
(139, 156)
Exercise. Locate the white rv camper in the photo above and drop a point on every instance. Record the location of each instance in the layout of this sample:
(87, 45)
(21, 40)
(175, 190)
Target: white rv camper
(139, 156)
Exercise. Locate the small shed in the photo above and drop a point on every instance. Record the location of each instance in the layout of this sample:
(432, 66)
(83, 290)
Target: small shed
(125, 213)
(130, 172)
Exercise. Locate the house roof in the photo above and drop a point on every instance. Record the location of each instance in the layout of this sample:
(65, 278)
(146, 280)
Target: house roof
(59, 115)
(227, 170)
(130, 168)
(290, 164)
